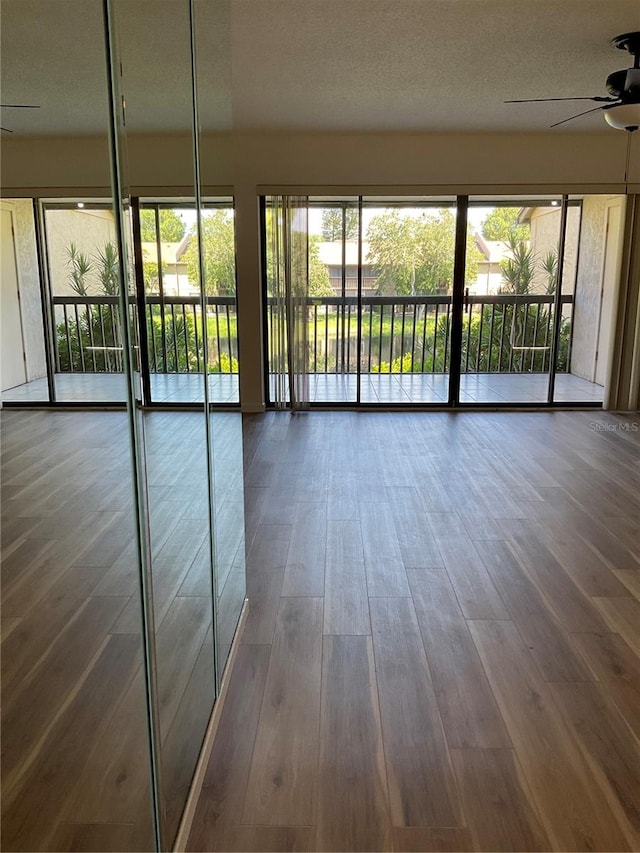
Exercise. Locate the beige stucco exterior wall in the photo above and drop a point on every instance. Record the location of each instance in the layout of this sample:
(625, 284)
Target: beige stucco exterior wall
(89, 230)
(545, 233)
(582, 274)
(588, 286)
(624, 389)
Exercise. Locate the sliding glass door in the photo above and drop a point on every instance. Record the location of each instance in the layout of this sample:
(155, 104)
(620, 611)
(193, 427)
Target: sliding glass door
(510, 305)
(289, 302)
(406, 298)
(442, 301)
(334, 288)
(172, 310)
(593, 249)
(82, 264)
(378, 302)
(83, 268)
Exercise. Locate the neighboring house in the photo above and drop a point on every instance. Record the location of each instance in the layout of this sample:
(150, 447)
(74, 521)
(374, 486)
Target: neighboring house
(489, 278)
(175, 281)
(331, 255)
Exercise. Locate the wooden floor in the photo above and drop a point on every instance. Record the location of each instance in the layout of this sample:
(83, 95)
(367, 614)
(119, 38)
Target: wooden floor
(74, 742)
(443, 645)
(75, 762)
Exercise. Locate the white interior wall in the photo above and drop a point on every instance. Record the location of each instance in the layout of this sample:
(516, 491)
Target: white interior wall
(471, 161)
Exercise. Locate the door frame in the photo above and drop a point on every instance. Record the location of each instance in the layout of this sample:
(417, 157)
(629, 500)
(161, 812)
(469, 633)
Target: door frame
(6, 207)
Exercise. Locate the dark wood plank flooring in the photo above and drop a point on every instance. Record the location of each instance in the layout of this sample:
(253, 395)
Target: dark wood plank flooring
(75, 763)
(441, 651)
(74, 746)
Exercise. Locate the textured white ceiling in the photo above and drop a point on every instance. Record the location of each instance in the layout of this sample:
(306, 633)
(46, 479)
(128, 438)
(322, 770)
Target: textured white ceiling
(344, 65)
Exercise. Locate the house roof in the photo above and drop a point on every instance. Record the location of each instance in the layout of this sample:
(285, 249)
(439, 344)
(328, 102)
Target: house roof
(330, 253)
(171, 252)
(493, 251)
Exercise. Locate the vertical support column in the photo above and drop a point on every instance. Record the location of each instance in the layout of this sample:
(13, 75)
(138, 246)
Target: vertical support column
(457, 300)
(342, 309)
(359, 343)
(249, 295)
(141, 303)
(48, 320)
(557, 302)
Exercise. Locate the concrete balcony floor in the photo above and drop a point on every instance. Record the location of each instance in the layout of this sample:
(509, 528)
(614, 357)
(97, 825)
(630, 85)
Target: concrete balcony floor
(407, 389)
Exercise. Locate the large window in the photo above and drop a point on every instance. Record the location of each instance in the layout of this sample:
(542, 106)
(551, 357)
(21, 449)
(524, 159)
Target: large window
(82, 348)
(443, 301)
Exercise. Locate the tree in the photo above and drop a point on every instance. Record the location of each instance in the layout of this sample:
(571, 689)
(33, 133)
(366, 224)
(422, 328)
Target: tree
(502, 224)
(218, 247)
(415, 254)
(332, 223)
(172, 225)
(151, 275)
(319, 281)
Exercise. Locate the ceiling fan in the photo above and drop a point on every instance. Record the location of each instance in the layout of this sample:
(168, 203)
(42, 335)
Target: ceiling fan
(621, 107)
(17, 107)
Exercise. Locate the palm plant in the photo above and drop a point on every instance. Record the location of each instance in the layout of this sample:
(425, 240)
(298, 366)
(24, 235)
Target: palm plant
(549, 266)
(517, 271)
(79, 268)
(94, 331)
(108, 264)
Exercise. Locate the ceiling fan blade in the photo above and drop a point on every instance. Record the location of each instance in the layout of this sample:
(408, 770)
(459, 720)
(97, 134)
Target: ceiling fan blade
(632, 82)
(577, 115)
(20, 106)
(599, 98)
(6, 129)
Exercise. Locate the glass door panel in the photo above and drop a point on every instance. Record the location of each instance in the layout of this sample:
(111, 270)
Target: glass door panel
(509, 313)
(218, 244)
(333, 299)
(591, 270)
(82, 267)
(173, 312)
(407, 261)
(172, 302)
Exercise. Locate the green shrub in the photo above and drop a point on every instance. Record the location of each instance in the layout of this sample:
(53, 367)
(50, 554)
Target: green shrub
(225, 364)
(184, 352)
(91, 338)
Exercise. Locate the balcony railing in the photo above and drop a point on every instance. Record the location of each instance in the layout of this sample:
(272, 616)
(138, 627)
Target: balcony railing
(399, 334)
(88, 335)
(411, 334)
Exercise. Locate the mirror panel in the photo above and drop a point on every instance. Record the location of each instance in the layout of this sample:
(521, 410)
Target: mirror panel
(76, 762)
